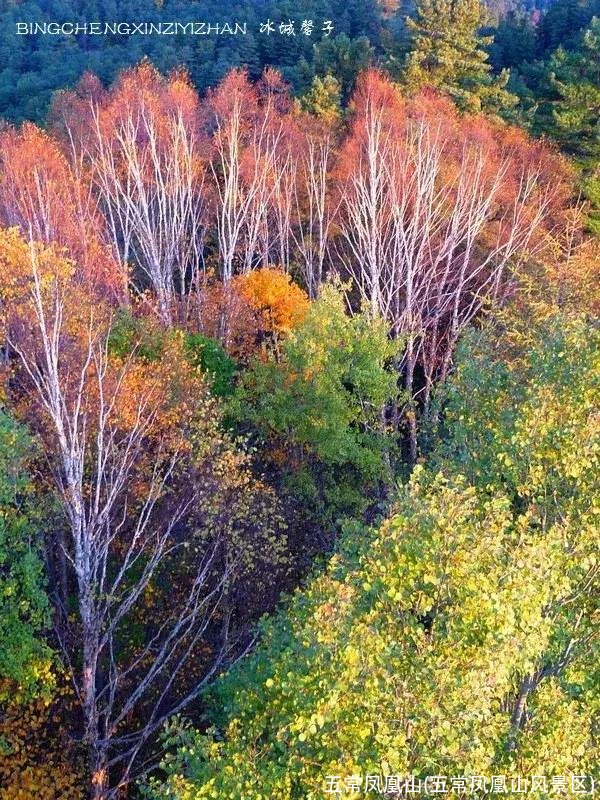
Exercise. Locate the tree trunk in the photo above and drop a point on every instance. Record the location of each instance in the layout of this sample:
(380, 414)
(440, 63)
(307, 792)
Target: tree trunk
(516, 720)
(164, 307)
(412, 410)
(98, 775)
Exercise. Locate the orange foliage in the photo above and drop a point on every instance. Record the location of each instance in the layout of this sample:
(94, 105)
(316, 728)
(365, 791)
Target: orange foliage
(170, 390)
(23, 267)
(138, 91)
(161, 395)
(240, 312)
(141, 144)
(454, 134)
(42, 195)
(221, 311)
(282, 304)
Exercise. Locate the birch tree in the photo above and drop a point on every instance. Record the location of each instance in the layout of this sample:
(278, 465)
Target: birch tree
(313, 205)
(247, 129)
(141, 148)
(117, 443)
(435, 215)
(46, 196)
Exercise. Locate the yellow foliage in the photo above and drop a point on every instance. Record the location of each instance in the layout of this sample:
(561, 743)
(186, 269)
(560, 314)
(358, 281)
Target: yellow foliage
(37, 760)
(35, 272)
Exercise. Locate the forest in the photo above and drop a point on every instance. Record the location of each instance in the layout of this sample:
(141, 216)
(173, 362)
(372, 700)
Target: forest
(300, 404)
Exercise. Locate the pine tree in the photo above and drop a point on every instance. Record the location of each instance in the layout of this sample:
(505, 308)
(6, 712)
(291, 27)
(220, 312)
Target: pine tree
(448, 52)
(575, 76)
(323, 99)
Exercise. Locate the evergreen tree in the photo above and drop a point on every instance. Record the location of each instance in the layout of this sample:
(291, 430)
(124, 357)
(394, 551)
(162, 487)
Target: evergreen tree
(576, 78)
(563, 22)
(448, 52)
(343, 57)
(515, 41)
(323, 99)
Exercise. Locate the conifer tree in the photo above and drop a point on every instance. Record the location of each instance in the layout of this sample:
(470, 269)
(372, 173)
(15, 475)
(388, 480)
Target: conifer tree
(575, 76)
(323, 99)
(448, 51)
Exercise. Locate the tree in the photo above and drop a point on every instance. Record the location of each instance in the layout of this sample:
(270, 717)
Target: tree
(542, 452)
(146, 486)
(38, 755)
(48, 198)
(247, 128)
(515, 40)
(313, 208)
(344, 57)
(400, 658)
(436, 211)
(563, 23)
(448, 52)
(220, 310)
(323, 99)
(25, 660)
(140, 150)
(319, 407)
(282, 304)
(575, 76)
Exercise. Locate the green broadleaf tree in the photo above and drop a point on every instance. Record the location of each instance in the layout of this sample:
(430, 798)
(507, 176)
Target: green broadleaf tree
(319, 407)
(25, 661)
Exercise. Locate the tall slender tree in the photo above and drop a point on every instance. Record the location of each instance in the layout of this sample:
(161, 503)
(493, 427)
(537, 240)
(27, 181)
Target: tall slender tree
(124, 439)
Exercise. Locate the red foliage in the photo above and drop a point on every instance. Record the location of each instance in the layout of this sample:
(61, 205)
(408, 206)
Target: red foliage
(41, 194)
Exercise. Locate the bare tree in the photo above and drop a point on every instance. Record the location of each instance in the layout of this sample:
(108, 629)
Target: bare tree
(247, 131)
(366, 218)
(430, 228)
(118, 475)
(313, 209)
(146, 172)
(284, 177)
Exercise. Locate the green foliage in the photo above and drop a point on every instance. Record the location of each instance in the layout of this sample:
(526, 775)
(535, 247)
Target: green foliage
(341, 56)
(526, 426)
(145, 339)
(319, 407)
(24, 659)
(447, 51)
(323, 99)
(590, 189)
(134, 335)
(211, 358)
(411, 652)
(515, 40)
(32, 68)
(563, 22)
(555, 73)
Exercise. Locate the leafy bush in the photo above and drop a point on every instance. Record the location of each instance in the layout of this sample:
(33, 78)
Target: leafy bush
(143, 337)
(210, 356)
(281, 303)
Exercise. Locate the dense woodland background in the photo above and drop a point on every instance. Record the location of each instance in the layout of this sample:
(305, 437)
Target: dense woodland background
(299, 391)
